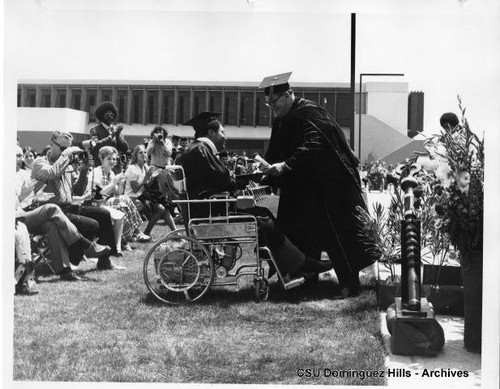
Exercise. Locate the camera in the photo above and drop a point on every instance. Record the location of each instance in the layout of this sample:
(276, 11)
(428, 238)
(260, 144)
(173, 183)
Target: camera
(81, 156)
(158, 136)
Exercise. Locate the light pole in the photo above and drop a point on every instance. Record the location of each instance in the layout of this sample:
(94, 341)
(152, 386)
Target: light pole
(359, 108)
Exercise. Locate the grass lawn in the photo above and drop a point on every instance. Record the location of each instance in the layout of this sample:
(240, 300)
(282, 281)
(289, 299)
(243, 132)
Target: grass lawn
(109, 329)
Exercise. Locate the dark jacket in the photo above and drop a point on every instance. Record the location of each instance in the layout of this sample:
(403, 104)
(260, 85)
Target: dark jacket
(205, 175)
(320, 194)
(101, 135)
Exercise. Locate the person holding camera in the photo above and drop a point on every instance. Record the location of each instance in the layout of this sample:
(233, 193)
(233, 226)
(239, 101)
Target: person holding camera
(107, 133)
(52, 173)
(159, 149)
(159, 152)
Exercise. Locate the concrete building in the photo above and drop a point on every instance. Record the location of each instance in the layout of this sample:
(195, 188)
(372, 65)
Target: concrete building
(45, 106)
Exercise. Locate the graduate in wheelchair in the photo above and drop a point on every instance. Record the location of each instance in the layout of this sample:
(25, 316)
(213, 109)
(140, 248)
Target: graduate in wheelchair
(218, 228)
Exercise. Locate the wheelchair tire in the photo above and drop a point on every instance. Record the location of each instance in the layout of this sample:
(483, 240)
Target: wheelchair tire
(261, 289)
(178, 269)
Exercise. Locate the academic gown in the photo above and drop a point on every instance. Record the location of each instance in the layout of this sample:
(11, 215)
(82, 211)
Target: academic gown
(320, 194)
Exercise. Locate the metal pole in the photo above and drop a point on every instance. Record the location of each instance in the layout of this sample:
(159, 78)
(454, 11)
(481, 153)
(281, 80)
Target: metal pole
(359, 117)
(353, 77)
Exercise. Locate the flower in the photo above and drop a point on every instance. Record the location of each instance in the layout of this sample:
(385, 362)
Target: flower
(460, 200)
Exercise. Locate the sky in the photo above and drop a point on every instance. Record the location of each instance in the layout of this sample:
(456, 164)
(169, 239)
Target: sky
(445, 48)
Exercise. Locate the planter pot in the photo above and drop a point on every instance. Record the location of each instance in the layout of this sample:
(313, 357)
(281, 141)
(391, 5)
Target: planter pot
(386, 294)
(472, 274)
(442, 275)
(446, 299)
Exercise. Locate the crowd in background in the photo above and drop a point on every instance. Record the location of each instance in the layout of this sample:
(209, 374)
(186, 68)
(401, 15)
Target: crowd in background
(379, 176)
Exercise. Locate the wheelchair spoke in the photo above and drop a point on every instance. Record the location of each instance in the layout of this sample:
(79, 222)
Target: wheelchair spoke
(178, 268)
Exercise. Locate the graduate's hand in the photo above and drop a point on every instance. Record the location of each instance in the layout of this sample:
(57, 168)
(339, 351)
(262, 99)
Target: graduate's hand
(276, 169)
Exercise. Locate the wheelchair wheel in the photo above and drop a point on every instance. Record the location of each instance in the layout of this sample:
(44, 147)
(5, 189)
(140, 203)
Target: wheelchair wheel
(178, 269)
(261, 289)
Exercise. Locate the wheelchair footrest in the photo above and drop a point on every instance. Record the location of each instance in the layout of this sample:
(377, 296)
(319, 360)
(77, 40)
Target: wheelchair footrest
(294, 283)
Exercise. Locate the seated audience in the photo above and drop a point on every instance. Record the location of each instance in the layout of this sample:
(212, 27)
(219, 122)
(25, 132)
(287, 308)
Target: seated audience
(65, 243)
(138, 176)
(124, 213)
(52, 173)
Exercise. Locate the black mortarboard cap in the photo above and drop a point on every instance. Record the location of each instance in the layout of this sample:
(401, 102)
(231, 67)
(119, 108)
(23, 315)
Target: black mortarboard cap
(201, 121)
(275, 84)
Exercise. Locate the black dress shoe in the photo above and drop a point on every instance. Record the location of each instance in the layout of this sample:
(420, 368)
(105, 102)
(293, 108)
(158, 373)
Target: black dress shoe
(313, 266)
(110, 266)
(96, 250)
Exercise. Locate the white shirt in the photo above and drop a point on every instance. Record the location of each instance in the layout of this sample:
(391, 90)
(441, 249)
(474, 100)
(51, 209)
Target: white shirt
(135, 173)
(23, 179)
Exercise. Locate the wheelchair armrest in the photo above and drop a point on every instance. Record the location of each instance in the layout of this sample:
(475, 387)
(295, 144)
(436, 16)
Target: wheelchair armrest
(221, 195)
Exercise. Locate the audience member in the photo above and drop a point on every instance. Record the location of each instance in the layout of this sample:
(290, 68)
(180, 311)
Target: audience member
(107, 133)
(124, 213)
(29, 157)
(66, 244)
(138, 176)
(24, 269)
(51, 172)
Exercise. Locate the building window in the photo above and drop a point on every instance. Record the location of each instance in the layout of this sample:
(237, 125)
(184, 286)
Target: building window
(215, 101)
(168, 107)
(230, 108)
(46, 98)
(19, 102)
(121, 104)
(199, 102)
(152, 108)
(137, 106)
(246, 109)
(90, 104)
(262, 111)
(60, 98)
(183, 106)
(312, 95)
(31, 97)
(107, 95)
(76, 99)
(327, 101)
(343, 111)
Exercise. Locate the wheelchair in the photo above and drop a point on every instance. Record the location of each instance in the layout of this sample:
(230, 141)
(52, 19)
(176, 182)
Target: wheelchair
(208, 252)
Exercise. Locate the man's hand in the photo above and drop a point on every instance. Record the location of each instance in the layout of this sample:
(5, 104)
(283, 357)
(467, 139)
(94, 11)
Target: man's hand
(276, 169)
(71, 150)
(116, 131)
(41, 196)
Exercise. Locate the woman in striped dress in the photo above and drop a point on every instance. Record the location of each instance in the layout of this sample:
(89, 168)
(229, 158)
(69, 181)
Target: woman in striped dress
(112, 187)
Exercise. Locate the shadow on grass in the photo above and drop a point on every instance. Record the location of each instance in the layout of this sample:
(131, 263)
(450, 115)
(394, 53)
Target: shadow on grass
(277, 294)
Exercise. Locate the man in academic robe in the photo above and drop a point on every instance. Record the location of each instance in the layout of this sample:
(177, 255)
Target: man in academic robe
(320, 186)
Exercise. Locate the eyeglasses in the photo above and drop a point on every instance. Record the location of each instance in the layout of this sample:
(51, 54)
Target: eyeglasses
(272, 103)
(58, 145)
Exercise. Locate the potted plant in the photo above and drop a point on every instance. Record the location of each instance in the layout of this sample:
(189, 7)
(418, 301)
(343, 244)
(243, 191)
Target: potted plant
(460, 211)
(386, 245)
(441, 280)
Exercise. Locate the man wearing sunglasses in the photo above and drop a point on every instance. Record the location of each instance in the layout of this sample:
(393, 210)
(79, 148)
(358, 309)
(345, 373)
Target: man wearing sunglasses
(52, 171)
(107, 133)
(320, 186)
